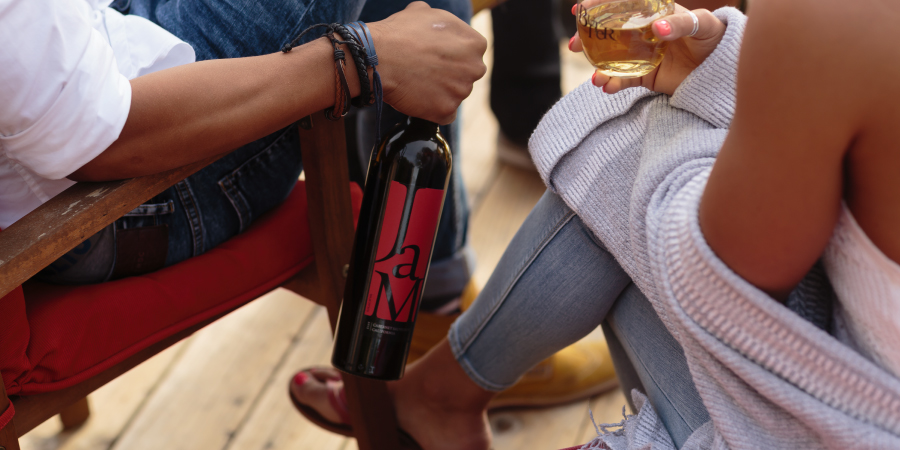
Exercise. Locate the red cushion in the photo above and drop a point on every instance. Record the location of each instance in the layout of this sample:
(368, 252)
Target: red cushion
(14, 336)
(78, 332)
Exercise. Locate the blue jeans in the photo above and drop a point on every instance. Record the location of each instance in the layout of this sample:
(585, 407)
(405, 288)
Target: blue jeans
(223, 199)
(555, 284)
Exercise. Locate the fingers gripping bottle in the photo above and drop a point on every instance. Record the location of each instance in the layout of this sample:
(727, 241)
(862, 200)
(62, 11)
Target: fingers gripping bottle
(401, 209)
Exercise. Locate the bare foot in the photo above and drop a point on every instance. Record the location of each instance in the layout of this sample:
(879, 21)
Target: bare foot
(321, 389)
(436, 402)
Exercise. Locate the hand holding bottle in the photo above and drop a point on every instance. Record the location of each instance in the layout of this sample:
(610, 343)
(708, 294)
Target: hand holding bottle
(428, 61)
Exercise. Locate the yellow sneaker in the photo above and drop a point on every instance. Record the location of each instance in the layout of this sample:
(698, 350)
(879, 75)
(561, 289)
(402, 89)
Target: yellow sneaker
(581, 370)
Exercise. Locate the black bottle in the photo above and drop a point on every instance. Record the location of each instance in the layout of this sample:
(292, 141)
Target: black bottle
(401, 209)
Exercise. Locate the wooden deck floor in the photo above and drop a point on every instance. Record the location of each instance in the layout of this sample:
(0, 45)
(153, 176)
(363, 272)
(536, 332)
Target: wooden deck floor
(226, 386)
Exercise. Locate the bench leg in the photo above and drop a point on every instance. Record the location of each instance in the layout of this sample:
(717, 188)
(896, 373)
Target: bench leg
(323, 145)
(75, 415)
(9, 440)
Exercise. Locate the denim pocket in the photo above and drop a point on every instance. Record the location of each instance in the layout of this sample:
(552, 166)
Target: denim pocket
(265, 180)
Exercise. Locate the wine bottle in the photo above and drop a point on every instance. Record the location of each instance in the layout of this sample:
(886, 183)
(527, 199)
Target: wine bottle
(401, 209)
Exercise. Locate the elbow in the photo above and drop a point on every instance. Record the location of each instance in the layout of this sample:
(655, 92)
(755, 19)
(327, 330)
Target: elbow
(86, 173)
(106, 168)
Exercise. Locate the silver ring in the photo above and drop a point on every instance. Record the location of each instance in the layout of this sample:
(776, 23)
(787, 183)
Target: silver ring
(696, 23)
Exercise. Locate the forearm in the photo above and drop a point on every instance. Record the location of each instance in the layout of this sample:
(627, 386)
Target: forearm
(429, 60)
(189, 113)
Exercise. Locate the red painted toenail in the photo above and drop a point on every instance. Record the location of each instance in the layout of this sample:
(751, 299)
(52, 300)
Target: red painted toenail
(301, 378)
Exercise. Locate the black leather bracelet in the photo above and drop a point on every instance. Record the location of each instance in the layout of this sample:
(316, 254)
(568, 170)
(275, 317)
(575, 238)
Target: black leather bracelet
(364, 36)
(342, 98)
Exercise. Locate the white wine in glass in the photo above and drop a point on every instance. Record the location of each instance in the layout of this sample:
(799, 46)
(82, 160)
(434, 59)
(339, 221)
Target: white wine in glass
(617, 38)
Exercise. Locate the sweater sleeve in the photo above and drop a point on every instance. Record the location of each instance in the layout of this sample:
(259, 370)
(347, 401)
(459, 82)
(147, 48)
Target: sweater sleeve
(710, 91)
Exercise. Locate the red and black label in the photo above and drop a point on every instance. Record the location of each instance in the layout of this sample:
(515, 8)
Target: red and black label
(404, 250)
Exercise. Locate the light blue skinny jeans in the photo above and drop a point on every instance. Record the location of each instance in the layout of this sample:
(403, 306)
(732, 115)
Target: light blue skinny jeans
(555, 284)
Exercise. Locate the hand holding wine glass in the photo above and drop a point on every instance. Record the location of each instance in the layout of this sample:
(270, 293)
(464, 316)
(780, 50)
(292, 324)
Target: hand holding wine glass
(684, 53)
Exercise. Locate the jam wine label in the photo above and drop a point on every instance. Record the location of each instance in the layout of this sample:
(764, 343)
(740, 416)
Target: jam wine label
(404, 250)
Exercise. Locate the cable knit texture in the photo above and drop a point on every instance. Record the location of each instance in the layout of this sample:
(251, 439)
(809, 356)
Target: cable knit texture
(633, 166)
(868, 283)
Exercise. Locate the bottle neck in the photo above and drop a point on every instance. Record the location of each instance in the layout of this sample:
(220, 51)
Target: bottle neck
(417, 123)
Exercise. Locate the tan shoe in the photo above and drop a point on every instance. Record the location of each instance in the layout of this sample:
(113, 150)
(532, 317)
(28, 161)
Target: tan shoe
(581, 370)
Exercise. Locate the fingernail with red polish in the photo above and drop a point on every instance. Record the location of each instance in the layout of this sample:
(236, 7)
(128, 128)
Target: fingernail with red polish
(664, 28)
(593, 77)
(574, 9)
(300, 378)
(571, 41)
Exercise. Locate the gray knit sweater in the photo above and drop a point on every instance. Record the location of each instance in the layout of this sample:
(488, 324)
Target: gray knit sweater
(633, 166)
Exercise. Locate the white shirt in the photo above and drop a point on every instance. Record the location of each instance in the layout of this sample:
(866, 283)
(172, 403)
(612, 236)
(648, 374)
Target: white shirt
(64, 90)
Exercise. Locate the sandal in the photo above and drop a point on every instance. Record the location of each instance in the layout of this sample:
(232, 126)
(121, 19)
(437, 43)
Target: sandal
(338, 400)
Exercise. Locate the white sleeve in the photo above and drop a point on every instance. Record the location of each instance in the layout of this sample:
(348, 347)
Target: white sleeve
(62, 98)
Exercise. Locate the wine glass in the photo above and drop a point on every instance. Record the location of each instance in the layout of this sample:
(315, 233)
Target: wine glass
(617, 37)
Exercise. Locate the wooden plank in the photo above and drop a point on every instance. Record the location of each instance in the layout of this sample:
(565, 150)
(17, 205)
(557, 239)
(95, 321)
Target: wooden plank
(331, 230)
(62, 223)
(330, 212)
(8, 437)
(212, 388)
(273, 423)
(306, 283)
(75, 415)
(112, 407)
(549, 428)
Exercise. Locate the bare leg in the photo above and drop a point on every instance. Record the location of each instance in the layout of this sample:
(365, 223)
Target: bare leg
(436, 402)
(440, 406)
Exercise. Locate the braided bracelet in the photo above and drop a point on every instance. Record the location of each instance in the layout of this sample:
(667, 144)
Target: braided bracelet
(364, 36)
(342, 89)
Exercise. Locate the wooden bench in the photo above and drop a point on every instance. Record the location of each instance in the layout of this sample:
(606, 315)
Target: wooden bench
(65, 221)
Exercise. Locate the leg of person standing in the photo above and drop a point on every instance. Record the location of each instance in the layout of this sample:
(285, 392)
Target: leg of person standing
(525, 78)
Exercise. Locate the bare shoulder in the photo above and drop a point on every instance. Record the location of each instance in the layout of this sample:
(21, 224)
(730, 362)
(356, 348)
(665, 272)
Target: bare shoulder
(840, 40)
(818, 62)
